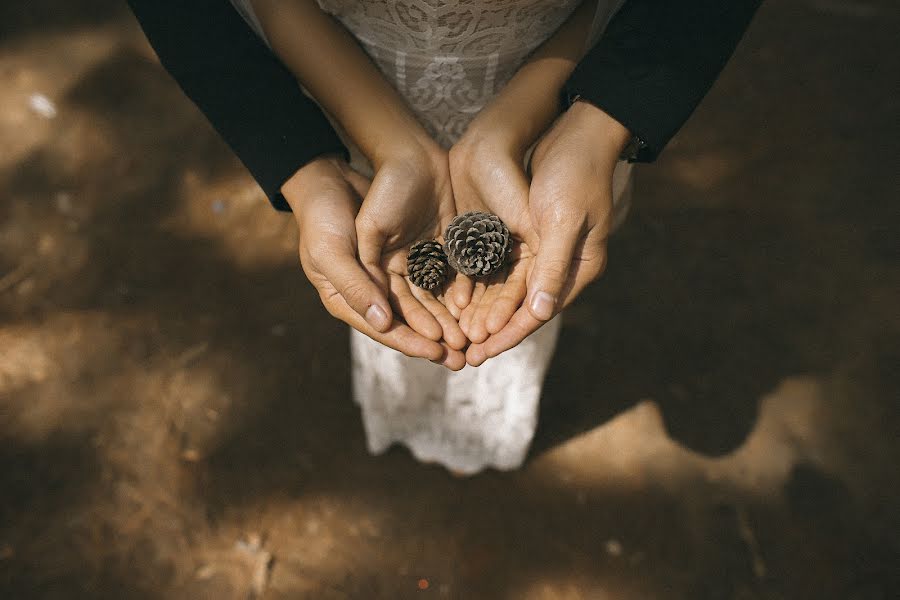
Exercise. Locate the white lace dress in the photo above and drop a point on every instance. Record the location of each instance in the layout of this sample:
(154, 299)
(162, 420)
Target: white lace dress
(448, 59)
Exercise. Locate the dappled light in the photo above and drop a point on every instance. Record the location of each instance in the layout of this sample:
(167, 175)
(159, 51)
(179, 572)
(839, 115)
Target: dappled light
(176, 420)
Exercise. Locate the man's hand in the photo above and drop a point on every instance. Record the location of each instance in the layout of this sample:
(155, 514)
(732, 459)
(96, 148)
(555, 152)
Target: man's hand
(570, 207)
(325, 196)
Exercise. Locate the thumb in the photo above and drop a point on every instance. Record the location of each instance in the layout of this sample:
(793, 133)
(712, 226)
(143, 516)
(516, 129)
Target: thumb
(370, 242)
(550, 272)
(357, 289)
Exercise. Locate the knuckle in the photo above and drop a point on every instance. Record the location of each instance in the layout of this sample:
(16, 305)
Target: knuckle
(456, 156)
(366, 225)
(601, 264)
(555, 268)
(460, 155)
(330, 305)
(355, 294)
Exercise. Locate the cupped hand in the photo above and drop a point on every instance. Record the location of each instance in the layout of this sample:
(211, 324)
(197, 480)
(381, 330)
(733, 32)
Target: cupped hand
(570, 207)
(325, 198)
(410, 199)
(488, 174)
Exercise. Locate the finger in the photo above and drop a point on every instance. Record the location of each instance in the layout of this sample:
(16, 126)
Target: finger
(370, 241)
(453, 359)
(399, 336)
(520, 326)
(475, 355)
(465, 318)
(353, 283)
(462, 290)
(408, 306)
(452, 334)
(477, 329)
(523, 323)
(587, 265)
(509, 300)
(446, 300)
(551, 269)
(359, 183)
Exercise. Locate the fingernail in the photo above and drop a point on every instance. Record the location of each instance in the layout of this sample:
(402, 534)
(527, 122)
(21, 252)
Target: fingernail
(376, 317)
(542, 305)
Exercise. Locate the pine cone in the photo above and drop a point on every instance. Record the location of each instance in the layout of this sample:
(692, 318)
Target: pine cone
(477, 243)
(426, 264)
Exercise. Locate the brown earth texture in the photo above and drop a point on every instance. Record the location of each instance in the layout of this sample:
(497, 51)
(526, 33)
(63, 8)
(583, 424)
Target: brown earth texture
(720, 421)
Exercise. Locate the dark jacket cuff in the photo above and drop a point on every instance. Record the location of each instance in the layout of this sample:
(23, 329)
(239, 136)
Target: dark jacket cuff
(656, 61)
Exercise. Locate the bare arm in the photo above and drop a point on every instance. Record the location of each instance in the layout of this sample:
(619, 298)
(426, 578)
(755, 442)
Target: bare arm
(341, 77)
(487, 165)
(530, 101)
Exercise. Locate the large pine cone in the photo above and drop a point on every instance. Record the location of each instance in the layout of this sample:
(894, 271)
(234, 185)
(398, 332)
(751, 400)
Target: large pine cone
(426, 264)
(477, 243)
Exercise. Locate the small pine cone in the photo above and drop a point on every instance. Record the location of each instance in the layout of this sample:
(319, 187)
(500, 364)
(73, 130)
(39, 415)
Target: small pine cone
(477, 243)
(426, 264)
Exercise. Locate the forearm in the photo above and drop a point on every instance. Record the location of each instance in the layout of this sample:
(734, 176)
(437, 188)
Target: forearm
(530, 101)
(340, 76)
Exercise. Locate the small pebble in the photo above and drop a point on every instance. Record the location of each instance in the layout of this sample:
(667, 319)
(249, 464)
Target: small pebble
(64, 203)
(205, 572)
(42, 105)
(613, 547)
(312, 526)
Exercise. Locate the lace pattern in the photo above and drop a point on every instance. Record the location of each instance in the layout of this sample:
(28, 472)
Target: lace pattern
(448, 59)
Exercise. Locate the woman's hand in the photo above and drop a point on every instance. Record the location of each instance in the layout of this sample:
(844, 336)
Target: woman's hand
(486, 167)
(570, 207)
(325, 196)
(410, 199)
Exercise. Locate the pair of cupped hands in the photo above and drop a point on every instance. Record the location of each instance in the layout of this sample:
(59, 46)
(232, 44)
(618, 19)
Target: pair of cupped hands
(355, 233)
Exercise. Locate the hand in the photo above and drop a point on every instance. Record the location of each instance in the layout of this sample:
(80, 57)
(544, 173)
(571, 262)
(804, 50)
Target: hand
(486, 167)
(325, 196)
(488, 174)
(570, 206)
(410, 199)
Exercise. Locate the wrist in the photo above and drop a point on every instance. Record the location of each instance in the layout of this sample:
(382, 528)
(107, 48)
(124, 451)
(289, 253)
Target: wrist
(612, 135)
(518, 116)
(409, 148)
(394, 135)
(318, 172)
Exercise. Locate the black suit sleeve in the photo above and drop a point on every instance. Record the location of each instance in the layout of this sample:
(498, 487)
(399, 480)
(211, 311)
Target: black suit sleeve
(250, 98)
(657, 60)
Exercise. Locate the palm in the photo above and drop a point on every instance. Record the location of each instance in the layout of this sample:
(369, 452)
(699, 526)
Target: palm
(410, 200)
(497, 186)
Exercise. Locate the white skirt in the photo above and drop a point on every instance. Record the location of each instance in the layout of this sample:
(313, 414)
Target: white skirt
(468, 420)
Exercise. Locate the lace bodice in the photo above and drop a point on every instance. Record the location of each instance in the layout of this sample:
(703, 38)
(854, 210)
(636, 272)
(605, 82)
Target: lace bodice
(448, 58)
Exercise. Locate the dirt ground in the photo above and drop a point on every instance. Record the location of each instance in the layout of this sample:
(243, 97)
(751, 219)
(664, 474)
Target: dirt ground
(721, 419)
